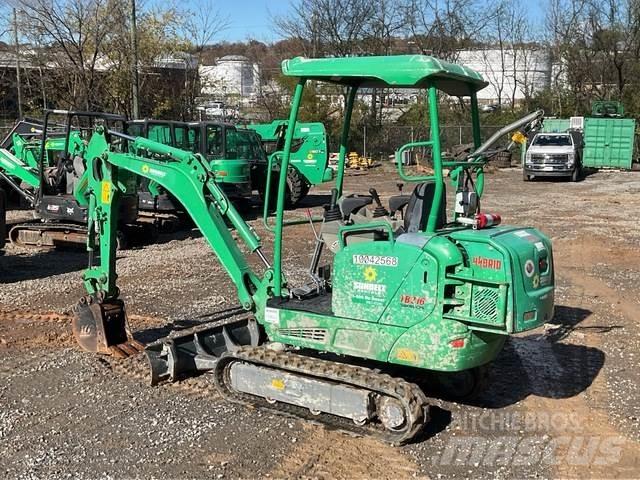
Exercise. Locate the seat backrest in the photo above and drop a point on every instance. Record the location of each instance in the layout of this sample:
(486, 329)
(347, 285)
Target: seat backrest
(74, 176)
(417, 214)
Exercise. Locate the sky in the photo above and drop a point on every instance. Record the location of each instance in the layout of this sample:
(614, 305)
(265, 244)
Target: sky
(251, 19)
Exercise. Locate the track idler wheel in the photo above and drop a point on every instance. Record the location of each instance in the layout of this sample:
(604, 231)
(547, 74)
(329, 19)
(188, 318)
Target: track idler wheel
(102, 327)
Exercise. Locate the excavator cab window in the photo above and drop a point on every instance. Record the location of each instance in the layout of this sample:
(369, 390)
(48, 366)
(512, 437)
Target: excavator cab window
(231, 144)
(183, 138)
(194, 138)
(160, 133)
(214, 142)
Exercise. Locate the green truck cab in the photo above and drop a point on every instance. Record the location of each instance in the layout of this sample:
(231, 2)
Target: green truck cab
(309, 163)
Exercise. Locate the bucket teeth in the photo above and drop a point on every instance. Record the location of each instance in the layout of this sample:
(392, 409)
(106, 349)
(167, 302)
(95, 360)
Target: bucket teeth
(117, 352)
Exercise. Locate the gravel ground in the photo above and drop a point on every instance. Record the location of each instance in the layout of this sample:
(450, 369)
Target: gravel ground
(563, 401)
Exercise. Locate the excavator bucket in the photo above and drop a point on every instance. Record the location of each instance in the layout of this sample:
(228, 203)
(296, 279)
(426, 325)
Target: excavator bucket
(102, 327)
(199, 349)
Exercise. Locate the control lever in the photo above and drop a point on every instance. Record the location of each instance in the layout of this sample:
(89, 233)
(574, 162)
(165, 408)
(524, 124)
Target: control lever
(400, 185)
(332, 211)
(379, 211)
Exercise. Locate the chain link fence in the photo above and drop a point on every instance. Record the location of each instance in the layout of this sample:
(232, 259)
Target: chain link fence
(380, 142)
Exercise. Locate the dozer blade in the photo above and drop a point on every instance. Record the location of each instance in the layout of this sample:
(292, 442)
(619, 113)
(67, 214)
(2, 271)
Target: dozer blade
(198, 349)
(102, 327)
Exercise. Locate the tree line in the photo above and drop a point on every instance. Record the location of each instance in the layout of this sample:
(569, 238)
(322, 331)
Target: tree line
(80, 50)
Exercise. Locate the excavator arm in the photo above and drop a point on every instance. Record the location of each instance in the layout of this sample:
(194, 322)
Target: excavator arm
(100, 321)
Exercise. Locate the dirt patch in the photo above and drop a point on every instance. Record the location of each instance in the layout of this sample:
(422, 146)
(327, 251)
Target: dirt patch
(65, 413)
(324, 454)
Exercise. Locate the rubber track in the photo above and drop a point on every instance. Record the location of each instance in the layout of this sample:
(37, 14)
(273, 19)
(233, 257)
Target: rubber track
(43, 227)
(409, 394)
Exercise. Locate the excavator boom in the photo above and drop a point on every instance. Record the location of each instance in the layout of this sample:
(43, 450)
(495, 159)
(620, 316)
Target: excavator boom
(187, 177)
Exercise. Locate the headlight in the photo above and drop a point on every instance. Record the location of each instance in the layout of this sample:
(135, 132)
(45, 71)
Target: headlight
(571, 158)
(527, 158)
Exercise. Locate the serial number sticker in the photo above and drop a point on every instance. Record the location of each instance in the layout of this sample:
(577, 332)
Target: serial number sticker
(381, 260)
(271, 315)
(540, 246)
(521, 233)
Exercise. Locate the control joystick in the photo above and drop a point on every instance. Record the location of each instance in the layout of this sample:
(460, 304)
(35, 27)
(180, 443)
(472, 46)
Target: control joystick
(379, 211)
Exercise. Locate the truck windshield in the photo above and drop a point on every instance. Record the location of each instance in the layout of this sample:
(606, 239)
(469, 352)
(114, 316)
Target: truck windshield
(249, 147)
(552, 141)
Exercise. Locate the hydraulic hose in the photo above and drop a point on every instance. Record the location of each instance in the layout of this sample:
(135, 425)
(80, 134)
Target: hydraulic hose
(537, 115)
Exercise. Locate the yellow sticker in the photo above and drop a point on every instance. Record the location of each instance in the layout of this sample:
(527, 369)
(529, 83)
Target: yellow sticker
(277, 383)
(310, 156)
(370, 274)
(518, 137)
(145, 168)
(407, 355)
(106, 192)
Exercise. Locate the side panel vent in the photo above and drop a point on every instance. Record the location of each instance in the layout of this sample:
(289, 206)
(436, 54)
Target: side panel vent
(316, 334)
(485, 303)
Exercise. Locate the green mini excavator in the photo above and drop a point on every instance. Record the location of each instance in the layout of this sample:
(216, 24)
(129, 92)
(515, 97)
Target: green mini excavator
(409, 287)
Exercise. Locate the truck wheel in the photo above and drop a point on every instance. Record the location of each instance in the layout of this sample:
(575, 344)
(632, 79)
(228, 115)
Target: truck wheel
(305, 189)
(526, 177)
(295, 187)
(575, 175)
(122, 242)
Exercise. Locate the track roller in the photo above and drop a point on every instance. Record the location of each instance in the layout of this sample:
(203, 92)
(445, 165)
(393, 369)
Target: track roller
(353, 399)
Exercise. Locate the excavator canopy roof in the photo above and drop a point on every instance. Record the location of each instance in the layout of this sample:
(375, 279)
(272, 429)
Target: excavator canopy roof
(395, 71)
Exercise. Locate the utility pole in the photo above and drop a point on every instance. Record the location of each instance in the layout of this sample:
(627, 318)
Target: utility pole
(364, 140)
(314, 32)
(19, 87)
(134, 61)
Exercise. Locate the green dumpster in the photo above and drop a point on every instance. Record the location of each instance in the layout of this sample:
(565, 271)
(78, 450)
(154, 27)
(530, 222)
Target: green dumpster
(608, 142)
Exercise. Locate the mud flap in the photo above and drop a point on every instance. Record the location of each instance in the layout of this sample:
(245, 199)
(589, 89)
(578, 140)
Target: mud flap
(102, 327)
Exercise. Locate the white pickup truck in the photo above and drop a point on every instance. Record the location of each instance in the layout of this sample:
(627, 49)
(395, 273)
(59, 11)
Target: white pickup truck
(554, 155)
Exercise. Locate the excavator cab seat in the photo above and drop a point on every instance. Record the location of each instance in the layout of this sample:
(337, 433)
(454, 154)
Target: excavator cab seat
(419, 206)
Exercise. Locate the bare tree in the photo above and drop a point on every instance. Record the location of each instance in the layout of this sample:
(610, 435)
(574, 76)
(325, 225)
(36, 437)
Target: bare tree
(441, 28)
(73, 31)
(203, 22)
(328, 27)
(597, 44)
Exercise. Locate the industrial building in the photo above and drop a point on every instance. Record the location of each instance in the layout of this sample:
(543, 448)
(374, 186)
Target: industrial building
(232, 75)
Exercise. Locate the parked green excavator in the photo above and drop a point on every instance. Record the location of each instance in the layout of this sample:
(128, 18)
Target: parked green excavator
(45, 164)
(405, 286)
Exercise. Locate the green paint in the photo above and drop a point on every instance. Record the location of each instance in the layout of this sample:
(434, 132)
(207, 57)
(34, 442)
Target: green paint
(411, 71)
(311, 156)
